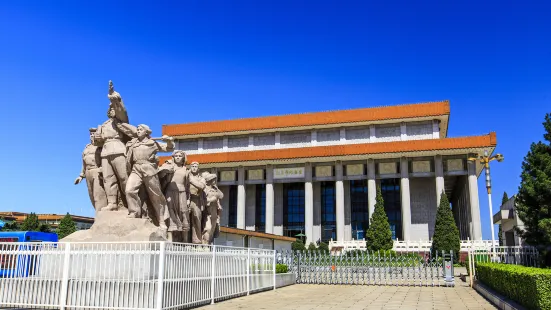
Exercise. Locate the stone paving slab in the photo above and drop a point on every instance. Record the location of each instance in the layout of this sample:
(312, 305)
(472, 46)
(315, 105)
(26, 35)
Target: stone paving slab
(310, 296)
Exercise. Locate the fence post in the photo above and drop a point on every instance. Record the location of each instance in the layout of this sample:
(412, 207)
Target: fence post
(274, 268)
(65, 277)
(213, 275)
(248, 271)
(161, 276)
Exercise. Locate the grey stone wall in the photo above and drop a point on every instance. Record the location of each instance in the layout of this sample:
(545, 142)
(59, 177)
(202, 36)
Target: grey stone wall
(423, 207)
(461, 206)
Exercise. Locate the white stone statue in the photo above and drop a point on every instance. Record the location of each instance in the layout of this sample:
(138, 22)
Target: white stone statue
(91, 171)
(196, 202)
(112, 135)
(213, 209)
(175, 182)
(142, 161)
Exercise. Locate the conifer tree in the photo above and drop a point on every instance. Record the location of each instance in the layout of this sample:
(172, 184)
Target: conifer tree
(379, 235)
(312, 247)
(298, 245)
(323, 247)
(533, 201)
(446, 234)
(66, 226)
(30, 223)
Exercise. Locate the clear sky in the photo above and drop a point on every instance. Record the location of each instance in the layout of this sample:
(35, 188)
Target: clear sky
(186, 61)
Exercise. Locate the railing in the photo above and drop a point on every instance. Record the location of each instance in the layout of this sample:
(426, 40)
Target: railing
(371, 268)
(408, 246)
(141, 275)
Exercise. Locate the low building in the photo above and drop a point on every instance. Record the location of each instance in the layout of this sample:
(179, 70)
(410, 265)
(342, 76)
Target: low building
(81, 222)
(507, 217)
(316, 174)
(235, 237)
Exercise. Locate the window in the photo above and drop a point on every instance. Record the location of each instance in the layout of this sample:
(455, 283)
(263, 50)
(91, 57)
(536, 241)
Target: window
(328, 214)
(232, 207)
(390, 189)
(293, 209)
(260, 204)
(360, 208)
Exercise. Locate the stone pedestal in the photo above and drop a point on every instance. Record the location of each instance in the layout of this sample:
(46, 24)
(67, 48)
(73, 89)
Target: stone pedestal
(115, 226)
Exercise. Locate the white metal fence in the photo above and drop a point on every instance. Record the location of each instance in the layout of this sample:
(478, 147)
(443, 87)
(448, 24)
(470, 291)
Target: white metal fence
(141, 275)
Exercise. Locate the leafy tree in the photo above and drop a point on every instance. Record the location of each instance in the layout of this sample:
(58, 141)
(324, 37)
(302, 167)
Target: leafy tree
(10, 226)
(66, 226)
(533, 202)
(323, 247)
(500, 232)
(446, 235)
(30, 223)
(298, 245)
(312, 247)
(379, 235)
(45, 228)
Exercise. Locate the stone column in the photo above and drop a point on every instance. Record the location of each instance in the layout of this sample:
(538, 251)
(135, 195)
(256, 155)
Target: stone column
(224, 218)
(405, 197)
(269, 200)
(241, 198)
(439, 172)
(278, 209)
(316, 232)
(347, 212)
(475, 225)
(250, 207)
(371, 186)
(339, 193)
(308, 204)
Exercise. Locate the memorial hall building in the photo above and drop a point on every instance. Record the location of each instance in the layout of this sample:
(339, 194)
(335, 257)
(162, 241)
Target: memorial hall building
(317, 174)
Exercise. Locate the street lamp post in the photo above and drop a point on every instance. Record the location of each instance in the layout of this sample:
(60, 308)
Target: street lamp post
(485, 161)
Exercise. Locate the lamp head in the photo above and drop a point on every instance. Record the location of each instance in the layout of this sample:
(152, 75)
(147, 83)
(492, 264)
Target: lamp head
(499, 157)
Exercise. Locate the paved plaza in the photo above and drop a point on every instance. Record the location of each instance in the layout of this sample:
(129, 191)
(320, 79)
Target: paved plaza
(307, 296)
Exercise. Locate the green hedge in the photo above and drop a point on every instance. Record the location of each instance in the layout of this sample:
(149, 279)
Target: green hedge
(281, 268)
(531, 287)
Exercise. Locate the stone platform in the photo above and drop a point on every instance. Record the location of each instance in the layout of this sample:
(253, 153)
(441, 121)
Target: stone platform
(115, 226)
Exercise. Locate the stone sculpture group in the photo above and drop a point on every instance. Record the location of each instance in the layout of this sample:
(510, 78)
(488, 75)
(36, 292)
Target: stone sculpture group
(122, 172)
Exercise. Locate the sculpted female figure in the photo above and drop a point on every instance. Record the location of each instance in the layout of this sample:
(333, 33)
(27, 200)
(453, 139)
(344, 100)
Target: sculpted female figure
(177, 192)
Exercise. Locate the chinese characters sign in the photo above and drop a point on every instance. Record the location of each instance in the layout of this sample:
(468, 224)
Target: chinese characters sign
(289, 173)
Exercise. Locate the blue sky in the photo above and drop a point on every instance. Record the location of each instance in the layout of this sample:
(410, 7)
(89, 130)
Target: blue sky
(184, 61)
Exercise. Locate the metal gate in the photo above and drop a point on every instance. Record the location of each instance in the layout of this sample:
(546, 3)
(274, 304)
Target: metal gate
(371, 268)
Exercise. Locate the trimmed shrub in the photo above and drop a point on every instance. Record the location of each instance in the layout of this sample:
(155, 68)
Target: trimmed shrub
(531, 287)
(281, 268)
(312, 247)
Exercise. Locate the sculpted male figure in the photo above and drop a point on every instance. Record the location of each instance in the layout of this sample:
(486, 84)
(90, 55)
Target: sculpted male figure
(91, 171)
(142, 161)
(196, 202)
(212, 208)
(175, 175)
(113, 134)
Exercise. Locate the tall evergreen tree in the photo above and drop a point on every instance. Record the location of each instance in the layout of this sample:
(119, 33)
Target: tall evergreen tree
(379, 235)
(30, 223)
(66, 226)
(533, 202)
(500, 232)
(446, 235)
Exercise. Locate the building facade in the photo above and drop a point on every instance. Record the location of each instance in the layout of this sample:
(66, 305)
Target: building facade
(81, 222)
(507, 217)
(316, 174)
